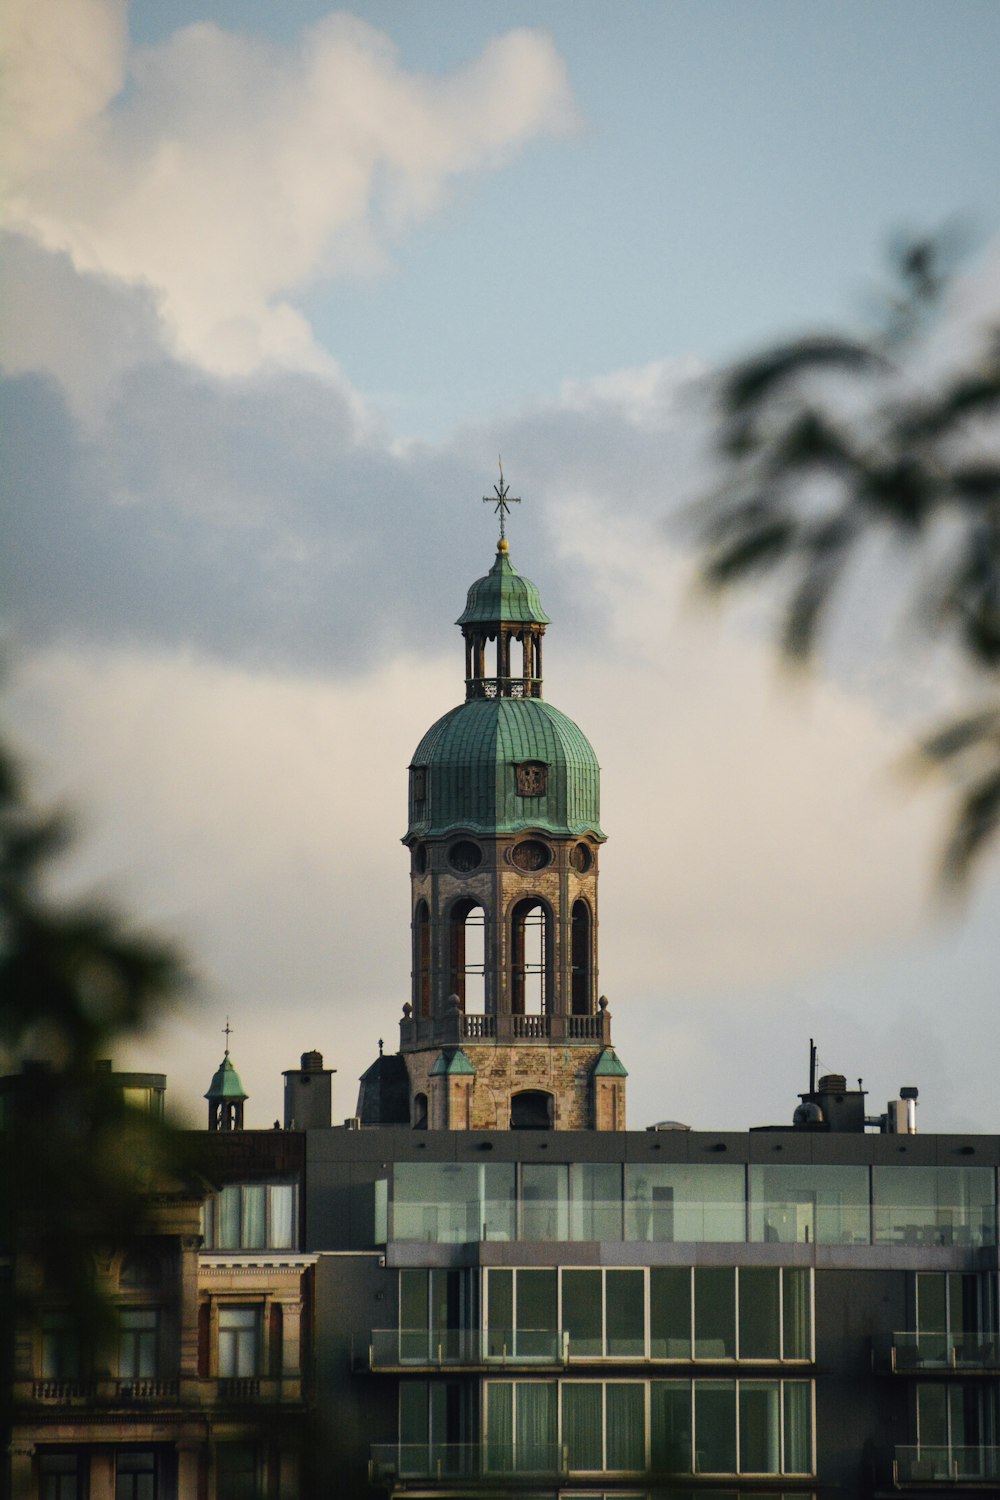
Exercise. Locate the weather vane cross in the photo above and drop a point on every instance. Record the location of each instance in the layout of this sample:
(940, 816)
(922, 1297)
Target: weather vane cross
(228, 1032)
(502, 500)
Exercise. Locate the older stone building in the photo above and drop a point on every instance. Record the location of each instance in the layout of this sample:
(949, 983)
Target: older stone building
(504, 1028)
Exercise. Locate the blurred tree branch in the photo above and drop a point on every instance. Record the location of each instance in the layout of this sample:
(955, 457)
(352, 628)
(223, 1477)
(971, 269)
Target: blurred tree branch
(826, 441)
(80, 1168)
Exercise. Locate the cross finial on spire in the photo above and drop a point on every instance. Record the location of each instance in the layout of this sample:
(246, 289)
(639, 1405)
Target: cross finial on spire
(228, 1032)
(502, 500)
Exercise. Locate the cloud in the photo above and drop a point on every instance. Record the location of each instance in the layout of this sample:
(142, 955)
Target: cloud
(224, 172)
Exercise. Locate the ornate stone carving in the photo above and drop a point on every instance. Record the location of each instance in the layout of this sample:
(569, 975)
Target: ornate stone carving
(531, 854)
(532, 778)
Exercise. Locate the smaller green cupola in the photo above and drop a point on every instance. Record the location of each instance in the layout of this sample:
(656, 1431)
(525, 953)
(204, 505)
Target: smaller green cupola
(226, 1097)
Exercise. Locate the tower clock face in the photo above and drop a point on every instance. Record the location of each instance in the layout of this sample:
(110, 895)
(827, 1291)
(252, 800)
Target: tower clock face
(465, 856)
(531, 854)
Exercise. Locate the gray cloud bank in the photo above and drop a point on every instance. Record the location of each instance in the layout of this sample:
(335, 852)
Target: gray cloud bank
(266, 518)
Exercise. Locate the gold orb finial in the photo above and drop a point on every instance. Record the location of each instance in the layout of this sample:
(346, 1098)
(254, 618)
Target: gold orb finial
(503, 545)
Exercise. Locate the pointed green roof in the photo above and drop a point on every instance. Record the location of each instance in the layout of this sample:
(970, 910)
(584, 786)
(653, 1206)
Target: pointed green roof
(451, 1061)
(609, 1066)
(503, 597)
(226, 1082)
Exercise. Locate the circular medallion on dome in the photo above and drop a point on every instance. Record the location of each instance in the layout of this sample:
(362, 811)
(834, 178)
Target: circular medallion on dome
(465, 856)
(581, 858)
(531, 854)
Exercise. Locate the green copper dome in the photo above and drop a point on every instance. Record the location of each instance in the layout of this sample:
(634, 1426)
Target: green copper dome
(503, 597)
(467, 764)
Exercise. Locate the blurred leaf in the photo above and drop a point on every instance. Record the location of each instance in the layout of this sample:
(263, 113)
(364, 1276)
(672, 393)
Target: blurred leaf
(869, 453)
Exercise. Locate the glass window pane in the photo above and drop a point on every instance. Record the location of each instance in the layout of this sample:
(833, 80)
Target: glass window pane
(537, 1313)
(797, 1312)
(714, 1312)
(414, 1314)
(797, 1396)
(500, 1426)
(228, 1217)
(697, 1203)
(581, 1311)
(596, 1190)
(414, 1309)
(545, 1202)
(625, 1313)
(670, 1312)
(535, 1425)
(760, 1312)
(625, 1422)
(498, 1204)
(809, 1204)
(715, 1426)
(670, 1426)
(760, 1427)
(254, 1202)
(935, 1206)
(500, 1312)
(281, 1204)
(413, 1424)
(583, 1424)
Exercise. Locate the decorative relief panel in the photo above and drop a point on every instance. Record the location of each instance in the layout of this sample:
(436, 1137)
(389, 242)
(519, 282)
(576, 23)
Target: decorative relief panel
(532, 778)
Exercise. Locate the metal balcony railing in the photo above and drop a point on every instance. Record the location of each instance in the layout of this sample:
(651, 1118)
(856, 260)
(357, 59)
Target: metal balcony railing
(465, 1461)
(915, 1353)
(924, 1464)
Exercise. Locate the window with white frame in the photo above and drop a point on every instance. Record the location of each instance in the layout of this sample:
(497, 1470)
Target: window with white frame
(684, 1313)
(252, 1216)
(667, 1426)
(239, 1342)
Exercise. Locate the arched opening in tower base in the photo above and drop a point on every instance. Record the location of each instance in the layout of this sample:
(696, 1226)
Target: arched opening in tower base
(532, 1109)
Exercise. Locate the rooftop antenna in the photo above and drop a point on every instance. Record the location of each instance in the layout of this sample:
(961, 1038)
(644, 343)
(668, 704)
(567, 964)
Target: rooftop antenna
(812, 1066)
(502, 500)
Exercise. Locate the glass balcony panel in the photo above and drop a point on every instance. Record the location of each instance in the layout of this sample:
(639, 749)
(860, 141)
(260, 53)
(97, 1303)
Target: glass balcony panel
(809, 1205)
(935, 1206)
(685, 1203)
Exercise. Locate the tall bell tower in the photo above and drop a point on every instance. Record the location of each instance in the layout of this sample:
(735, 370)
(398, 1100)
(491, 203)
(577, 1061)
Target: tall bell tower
(504, 1028)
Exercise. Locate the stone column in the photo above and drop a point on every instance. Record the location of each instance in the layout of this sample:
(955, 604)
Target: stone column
(102, 1475)
(189, 1470)
(22, 1479)
(291, 1340)
(187, 1312)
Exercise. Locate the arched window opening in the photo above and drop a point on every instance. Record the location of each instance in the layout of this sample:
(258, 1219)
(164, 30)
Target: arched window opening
(422, 959)
(531, 1110)
(420, 1111)
(530, 958)
(582, 1001)
(467, 974)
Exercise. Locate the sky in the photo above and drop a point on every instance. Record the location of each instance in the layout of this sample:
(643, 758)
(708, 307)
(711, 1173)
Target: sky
(280, 283)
